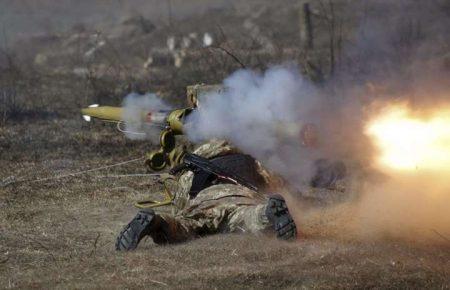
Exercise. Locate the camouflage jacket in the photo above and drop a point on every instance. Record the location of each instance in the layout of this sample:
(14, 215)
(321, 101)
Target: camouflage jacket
(211, 149)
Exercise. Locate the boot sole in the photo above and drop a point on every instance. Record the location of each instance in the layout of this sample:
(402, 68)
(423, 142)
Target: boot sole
(132, 233)
(279, 215)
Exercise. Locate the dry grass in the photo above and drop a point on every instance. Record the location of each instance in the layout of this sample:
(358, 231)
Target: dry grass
(61, 234)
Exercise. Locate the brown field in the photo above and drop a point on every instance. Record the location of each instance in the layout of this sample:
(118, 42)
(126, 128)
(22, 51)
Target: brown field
(60, 232)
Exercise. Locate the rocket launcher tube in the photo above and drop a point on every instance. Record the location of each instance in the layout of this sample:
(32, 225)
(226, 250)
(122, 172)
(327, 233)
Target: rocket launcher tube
(104, 113)
(173, 119)
(117, 114)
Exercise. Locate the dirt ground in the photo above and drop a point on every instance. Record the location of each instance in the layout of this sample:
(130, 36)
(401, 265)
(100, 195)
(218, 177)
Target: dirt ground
(60, 233)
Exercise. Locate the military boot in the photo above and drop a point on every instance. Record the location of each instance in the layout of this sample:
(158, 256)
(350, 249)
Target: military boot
(279, 216)
(145, 223)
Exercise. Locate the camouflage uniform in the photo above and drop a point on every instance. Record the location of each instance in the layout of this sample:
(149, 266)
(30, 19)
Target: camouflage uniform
(218, 208)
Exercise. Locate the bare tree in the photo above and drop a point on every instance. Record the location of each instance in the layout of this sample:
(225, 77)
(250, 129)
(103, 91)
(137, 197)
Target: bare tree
(306, 27)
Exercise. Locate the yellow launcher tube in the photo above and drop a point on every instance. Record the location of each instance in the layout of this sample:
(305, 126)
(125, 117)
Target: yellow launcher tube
(104, 113)
(175, 118)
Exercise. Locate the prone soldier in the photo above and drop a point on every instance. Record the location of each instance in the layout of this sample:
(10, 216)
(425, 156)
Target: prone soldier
(210, 202)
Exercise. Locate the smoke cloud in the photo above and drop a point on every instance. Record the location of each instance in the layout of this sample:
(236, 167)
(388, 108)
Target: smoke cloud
(394, 58)
(136, 107)
(262, 114)
(265, 114)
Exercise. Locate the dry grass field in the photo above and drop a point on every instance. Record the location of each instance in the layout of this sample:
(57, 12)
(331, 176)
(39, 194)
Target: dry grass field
(60, 232)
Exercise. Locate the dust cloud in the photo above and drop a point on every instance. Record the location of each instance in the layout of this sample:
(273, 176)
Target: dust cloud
(409, 208)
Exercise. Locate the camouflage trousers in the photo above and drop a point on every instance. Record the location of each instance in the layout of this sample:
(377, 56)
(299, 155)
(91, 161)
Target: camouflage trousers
(221, 208)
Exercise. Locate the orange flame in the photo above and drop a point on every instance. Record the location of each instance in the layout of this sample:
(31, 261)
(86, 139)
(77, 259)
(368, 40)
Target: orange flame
(409, 142)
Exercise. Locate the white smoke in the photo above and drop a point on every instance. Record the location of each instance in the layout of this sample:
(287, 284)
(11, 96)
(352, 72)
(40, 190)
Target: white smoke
(262, 114)
(136, 107)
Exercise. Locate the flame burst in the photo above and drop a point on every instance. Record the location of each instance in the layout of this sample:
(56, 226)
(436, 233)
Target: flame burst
(409, 142)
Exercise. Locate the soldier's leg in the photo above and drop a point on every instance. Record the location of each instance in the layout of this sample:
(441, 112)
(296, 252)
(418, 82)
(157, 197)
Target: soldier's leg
(207, 213)
(234, 208)
(219, 208)
(176, 229)
(269, 217)
(248, 219)
(162, 228)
